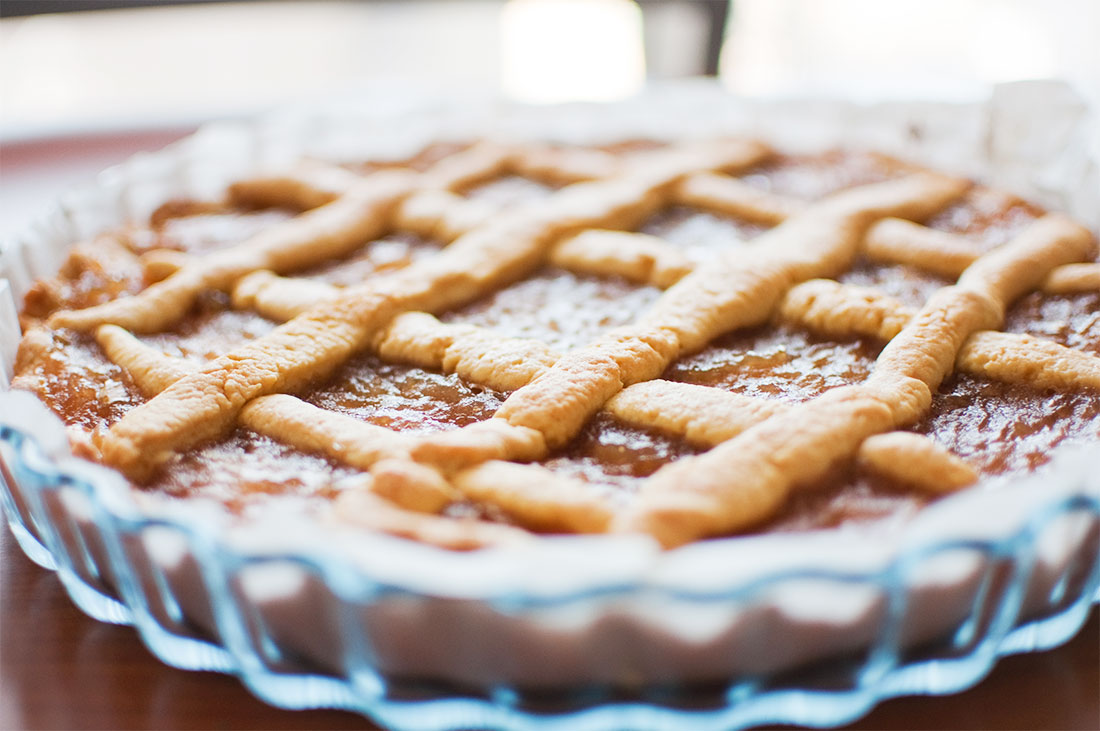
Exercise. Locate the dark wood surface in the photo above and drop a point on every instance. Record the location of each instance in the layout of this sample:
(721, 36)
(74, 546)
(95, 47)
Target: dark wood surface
(60, 669)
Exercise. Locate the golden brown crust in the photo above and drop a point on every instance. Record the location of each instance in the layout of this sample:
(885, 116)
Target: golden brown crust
(373, 512)
(535, 497)
(830, 308)
(311, 429)
(1024, 263)
(723, 194)
(914, 459)
(744, 480)
(476, 355)
(902, 242)
(1025, 359)
(694, 497)
(1073, 278)
(279, 298)
(562, 166)
(205, 404)
(150, 369)
(702, 415)
(412, 486)
(637, 257)
(759, 450)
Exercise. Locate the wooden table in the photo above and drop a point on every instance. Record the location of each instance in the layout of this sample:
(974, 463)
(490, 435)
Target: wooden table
(62, 670)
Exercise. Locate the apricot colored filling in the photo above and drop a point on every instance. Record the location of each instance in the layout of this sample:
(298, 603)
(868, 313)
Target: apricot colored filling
(403, 398)
(563, 309)
(1001, 429)
(245, 469)
(391, 253)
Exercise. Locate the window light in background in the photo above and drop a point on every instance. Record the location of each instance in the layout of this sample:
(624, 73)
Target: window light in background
(909, 47)
(563, 50)
(172, 64)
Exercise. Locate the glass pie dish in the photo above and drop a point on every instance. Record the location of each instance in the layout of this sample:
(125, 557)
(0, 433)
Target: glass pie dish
(811, 628)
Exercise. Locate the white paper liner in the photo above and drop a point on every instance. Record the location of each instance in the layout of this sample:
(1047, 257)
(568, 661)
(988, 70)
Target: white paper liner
(1038, 139)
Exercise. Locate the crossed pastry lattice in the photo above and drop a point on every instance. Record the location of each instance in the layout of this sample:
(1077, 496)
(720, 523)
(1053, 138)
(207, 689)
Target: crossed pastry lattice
(756, 450)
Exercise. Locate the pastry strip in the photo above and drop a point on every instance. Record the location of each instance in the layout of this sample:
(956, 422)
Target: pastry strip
(735, 292)
(728, 195)
(151, 370)
(562, 166)
(441, 215)
(702, 415)
(915, 460)
(368, 510)
(360, 214)
(1073, 278)
(294, 422)
(842, 310)
(694, 496)
(903, 242)
(310, 185)
(1029, 360)
(410, 485)
(477, 355)
(535, 497)
(205, 404)
(348, 440)
(637, 257)
(282, 417)
(828, 307)
(707, 417)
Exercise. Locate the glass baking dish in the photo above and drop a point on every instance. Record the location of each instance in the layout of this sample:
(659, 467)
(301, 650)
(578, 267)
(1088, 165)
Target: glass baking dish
(932, 619)
(809, 629)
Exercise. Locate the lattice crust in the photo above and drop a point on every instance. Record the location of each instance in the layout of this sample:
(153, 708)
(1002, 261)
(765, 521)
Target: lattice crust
(786, 274)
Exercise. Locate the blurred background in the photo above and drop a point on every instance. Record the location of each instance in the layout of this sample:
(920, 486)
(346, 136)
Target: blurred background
(176, 61)
(137, 73)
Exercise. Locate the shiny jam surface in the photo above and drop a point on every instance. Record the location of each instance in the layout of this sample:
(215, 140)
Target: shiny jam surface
(910, 286)
(777, 362)
(1070, 320)
(393, 252)
(563, 309)
(810, 177)
(79, 384)
(986, 217)
(701, 235)
(212, 330)
(509, 191)
(614, 456)
(1001, 429)
(207, 231)
(245, 469)
(403, 398)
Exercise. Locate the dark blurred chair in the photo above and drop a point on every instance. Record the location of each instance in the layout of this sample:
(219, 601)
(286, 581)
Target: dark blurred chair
(716, 14)
(11, 8)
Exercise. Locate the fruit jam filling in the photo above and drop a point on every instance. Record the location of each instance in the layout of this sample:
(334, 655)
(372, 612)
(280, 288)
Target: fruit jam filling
(999, 429)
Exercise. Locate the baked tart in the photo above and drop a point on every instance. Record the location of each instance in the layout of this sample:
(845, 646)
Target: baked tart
(686, 341)
(488, 343)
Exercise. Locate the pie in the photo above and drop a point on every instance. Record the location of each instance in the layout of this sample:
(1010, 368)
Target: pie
(488, 342)
(501, 334)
